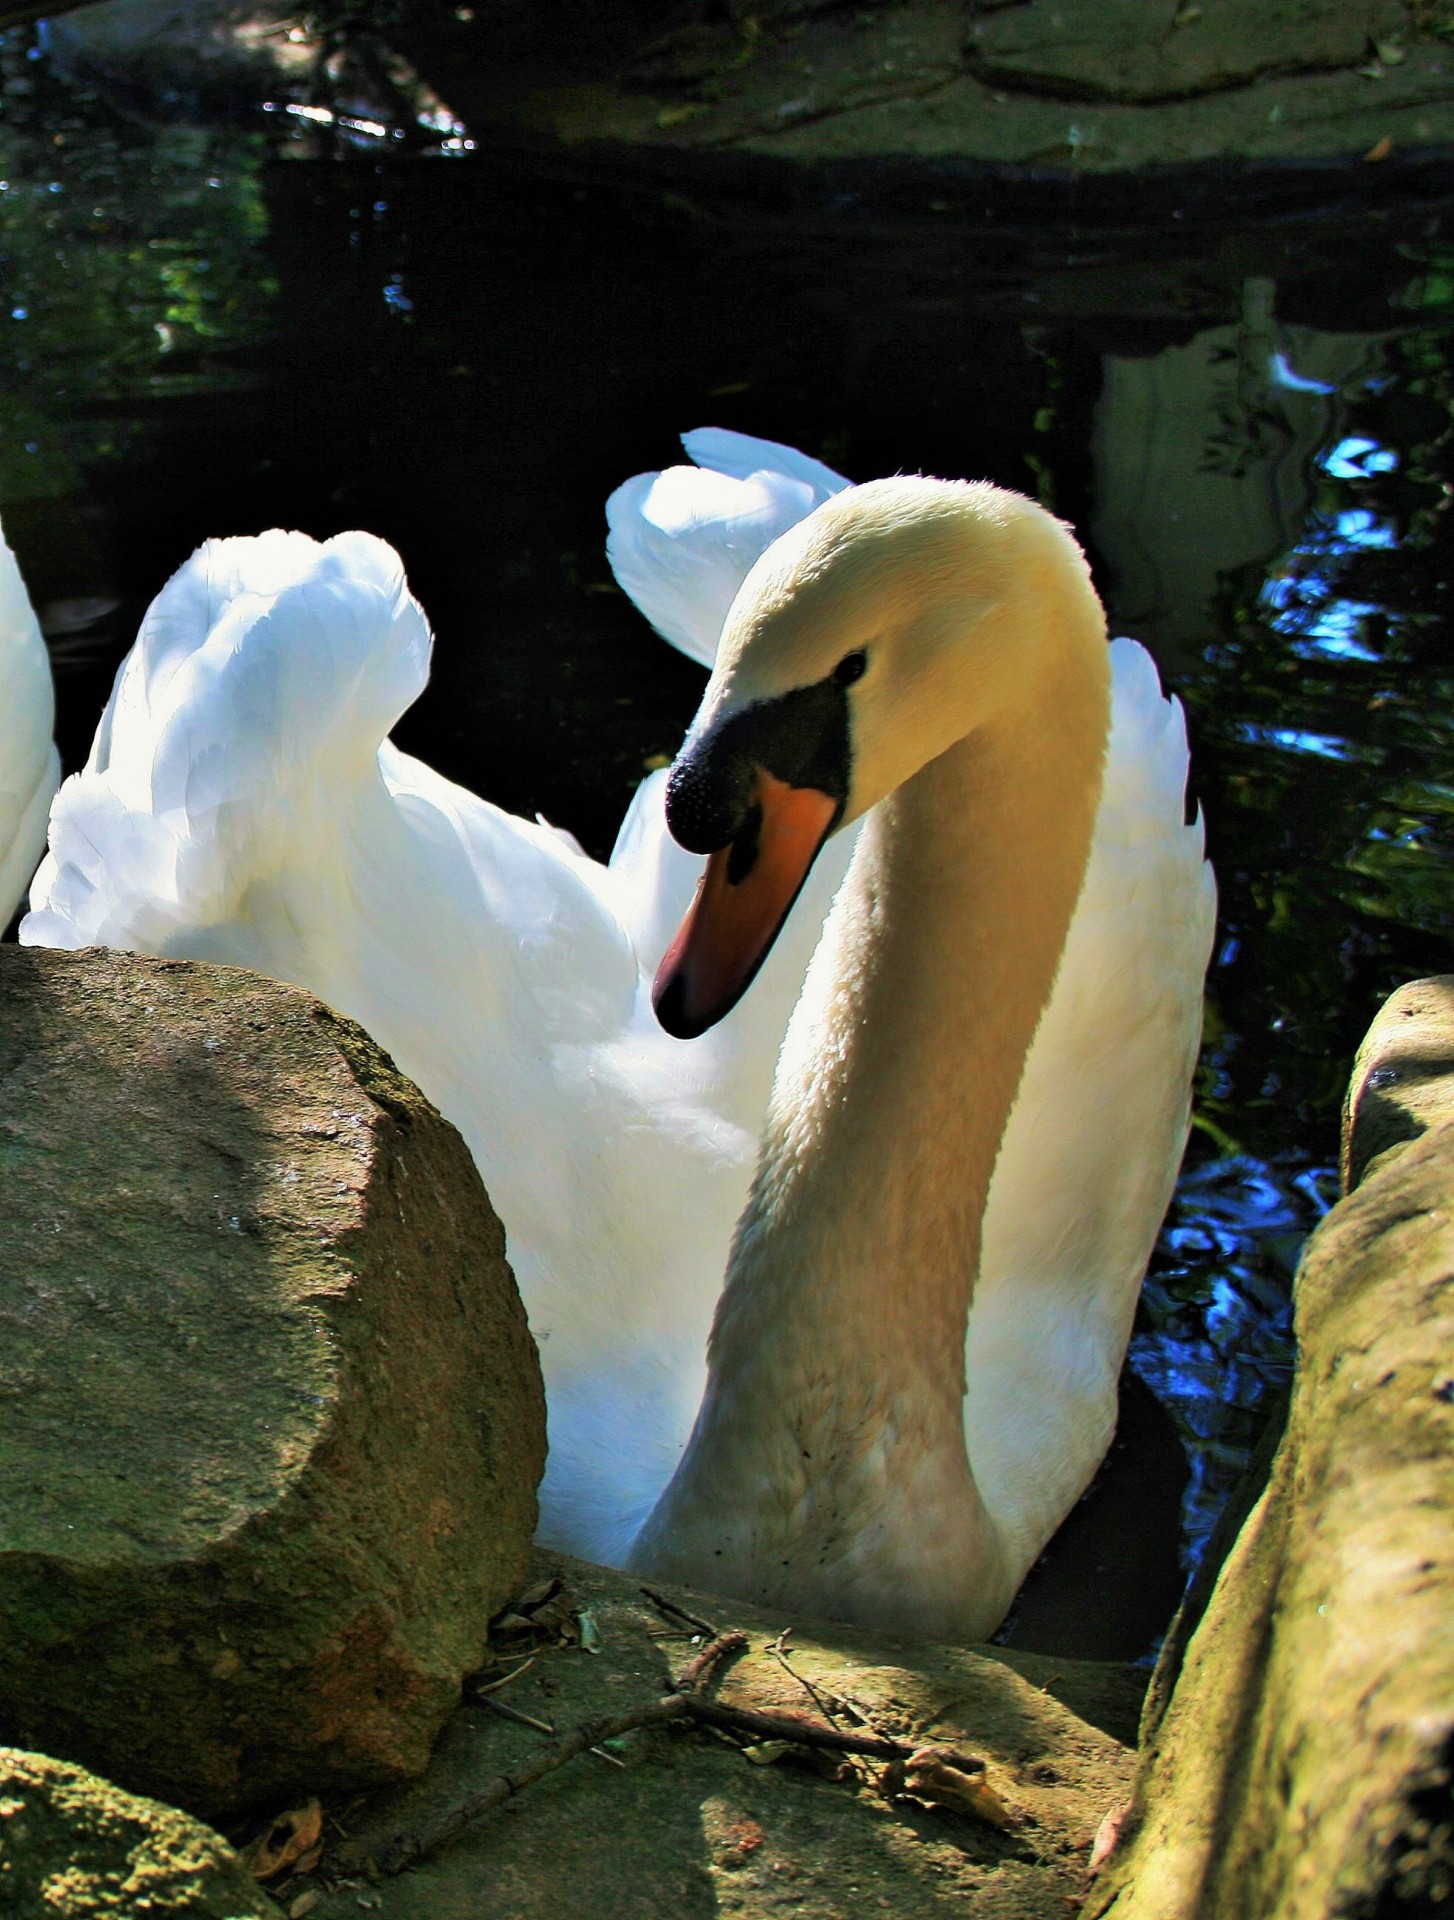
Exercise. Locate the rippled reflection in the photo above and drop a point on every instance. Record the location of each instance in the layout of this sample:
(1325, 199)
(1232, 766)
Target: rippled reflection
(1323, 709)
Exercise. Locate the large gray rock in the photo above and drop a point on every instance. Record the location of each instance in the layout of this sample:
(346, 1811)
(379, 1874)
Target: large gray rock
(73, 1844)
(271, 1420)
(1302, 1768)
(1073, 87)
(695, 96)
(1123, 50)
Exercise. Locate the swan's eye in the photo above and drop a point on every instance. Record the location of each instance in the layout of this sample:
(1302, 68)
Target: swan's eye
(853, 666)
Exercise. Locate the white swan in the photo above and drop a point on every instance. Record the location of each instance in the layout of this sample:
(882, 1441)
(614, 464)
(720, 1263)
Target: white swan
(239, 806)
(30, 767)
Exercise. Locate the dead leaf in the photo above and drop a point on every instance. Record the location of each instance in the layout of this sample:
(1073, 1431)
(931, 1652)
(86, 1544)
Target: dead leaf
(305, 1903)
(1109, 1836)
(556, 1615)
(1380, 150)
(537, 1595)
(590, 1633)
(765, 1753)
(291, 1835)
(947, 1778)
(1390, 52)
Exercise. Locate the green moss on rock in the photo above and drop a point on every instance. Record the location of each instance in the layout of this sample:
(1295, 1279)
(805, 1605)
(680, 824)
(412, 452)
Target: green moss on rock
(75, 1847)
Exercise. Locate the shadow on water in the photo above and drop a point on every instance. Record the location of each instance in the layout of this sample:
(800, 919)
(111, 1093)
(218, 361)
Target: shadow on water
(201, 335)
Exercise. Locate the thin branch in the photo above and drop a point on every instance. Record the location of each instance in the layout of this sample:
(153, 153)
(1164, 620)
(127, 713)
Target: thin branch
(800, 1730)
(685, 1701)
(779, 1653)
(698, 1669)
(540, 1726)
(494, 1686)
(506, 1712)
(660, 1601)
(407, 1847)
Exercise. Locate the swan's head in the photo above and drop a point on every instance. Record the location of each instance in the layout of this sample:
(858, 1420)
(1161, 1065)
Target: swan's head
(887, 625)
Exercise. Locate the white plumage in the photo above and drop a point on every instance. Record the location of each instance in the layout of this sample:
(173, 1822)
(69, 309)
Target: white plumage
(242, 804)
(30, 768)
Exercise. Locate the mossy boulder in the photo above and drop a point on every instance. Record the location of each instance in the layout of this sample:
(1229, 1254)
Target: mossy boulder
(75, 1847)
(271, 1420)
(1302, 1768)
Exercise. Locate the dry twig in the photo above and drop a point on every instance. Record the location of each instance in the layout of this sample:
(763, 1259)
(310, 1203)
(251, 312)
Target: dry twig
(407, 1847)
(504, 1712)
(799, 1729)
(670, 1607)
(686, 1701)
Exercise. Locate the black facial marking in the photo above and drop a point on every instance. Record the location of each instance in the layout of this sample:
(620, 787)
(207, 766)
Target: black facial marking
(801, 738)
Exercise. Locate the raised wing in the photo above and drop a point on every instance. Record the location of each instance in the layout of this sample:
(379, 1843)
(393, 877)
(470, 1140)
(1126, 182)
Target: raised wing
(681, 542)
(30, 768)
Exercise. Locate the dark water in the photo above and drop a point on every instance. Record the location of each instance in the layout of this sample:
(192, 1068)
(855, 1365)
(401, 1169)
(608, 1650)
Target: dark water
(1252, 428)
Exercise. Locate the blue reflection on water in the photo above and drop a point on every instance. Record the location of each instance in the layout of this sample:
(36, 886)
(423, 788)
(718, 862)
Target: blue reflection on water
(1359, 527)
(1283, 374)
(1300, 740)
(1340, 875)
(1216, 1314)
(1337, 631)
(1357, 458)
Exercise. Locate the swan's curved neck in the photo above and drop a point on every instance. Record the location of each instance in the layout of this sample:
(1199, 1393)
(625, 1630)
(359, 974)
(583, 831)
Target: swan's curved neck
(829, 1452)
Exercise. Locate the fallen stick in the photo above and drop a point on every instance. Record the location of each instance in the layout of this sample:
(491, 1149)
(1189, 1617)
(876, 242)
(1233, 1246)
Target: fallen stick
(407, 1847)
(799, 1729)
(684, 1702)
(670, 1607)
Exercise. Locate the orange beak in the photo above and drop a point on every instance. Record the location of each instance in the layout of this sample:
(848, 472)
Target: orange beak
(742, 900)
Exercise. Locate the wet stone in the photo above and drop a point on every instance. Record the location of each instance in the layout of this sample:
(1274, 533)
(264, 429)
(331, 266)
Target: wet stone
(271, 1421)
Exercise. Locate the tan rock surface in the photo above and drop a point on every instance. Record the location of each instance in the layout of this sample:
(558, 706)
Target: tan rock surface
(1403, 1077)
(75, 1847)
(686, 1826)
(1302, 1768)
(270, 1417)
